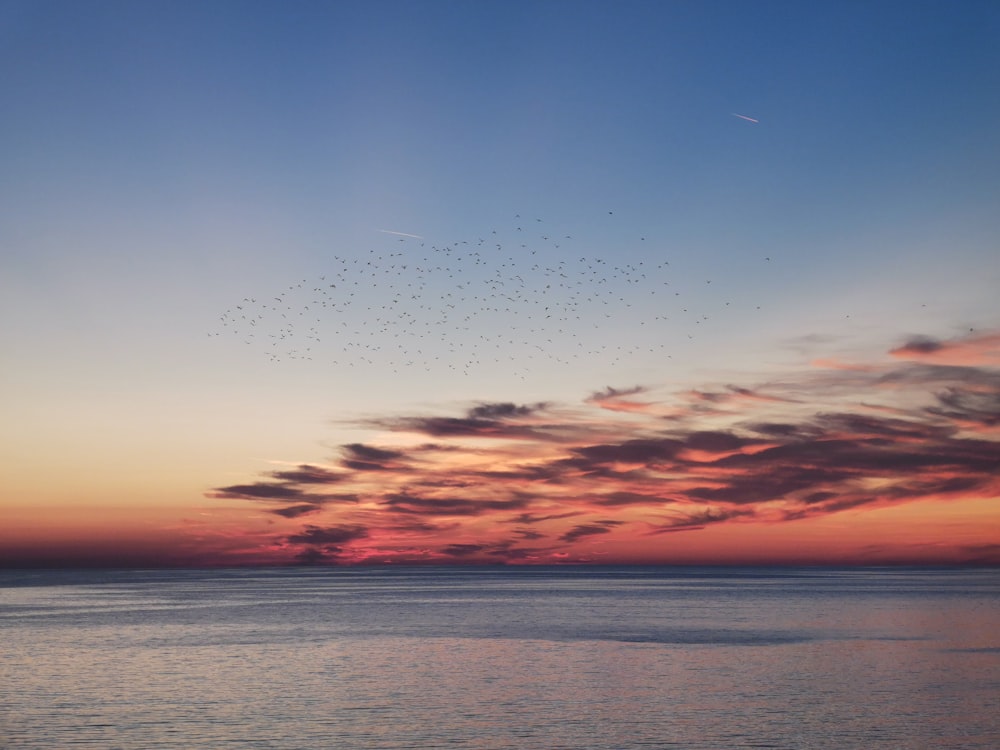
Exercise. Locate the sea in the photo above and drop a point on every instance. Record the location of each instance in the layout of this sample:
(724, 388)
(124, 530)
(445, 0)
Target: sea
(526, 658)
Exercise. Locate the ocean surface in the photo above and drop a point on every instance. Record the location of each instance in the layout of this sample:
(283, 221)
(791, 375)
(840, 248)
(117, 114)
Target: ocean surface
(575, 658)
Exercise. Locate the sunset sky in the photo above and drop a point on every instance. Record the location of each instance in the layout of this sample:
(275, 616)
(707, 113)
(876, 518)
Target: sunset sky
(499, 282)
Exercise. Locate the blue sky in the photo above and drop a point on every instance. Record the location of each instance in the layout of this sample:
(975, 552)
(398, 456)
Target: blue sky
(162, 162)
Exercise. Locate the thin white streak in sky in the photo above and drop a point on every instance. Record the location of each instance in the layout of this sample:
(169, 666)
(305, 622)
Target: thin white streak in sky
(401, 234)
(744, 117)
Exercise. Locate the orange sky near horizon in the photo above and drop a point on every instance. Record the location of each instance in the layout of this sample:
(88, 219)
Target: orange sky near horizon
(957, 531)
(893, 461)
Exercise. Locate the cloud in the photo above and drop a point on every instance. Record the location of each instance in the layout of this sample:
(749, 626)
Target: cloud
(528, 534)
(368, 458)
(919, 345)
(448, 506)
(779, 430)
(503, 410)
(968, 406)
(308, 474)
(716, 441)
(554, 479)
(259, 491)
(294, 511)
(624, 499)
(698, 520)
(613, 393)
(286, 491)
(530, 518)
(369, 453)
(490, 420)
(614, 399)
(588, 529)
(641, 451)
(328, 535)
(976, 350)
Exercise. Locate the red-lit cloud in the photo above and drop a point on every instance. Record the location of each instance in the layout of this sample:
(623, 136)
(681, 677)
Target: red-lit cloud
(977, 350)
(552, 482)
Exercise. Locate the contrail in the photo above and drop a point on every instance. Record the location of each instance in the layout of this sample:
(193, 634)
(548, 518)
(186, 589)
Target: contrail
(401, 234)
(744, 117)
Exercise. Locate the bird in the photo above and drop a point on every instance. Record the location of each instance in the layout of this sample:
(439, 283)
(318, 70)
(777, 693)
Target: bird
(448, 290)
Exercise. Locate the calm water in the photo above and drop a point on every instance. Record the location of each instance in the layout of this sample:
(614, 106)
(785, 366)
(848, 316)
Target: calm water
(528, 658)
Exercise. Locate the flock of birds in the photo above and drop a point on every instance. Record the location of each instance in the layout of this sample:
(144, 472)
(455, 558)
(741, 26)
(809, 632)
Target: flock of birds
(506, 299)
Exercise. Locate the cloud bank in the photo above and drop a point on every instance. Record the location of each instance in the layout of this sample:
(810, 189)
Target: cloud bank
(547, 482)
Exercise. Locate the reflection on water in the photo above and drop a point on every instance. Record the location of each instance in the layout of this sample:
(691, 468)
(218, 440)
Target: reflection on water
(548, 658)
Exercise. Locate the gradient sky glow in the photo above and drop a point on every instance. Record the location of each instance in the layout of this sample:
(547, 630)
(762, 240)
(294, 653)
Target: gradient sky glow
(443, 282)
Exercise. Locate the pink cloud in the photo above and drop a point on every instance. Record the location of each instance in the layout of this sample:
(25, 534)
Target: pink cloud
(543, 482)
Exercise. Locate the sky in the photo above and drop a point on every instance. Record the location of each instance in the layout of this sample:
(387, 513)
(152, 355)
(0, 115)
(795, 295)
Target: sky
(511, 283)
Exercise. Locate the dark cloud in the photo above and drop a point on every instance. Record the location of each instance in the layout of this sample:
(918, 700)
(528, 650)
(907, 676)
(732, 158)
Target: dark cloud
(923, 376)
(328, 535)
(918, 345)
(865, 455)
(258, 491)
(435, 448)
(294, 511)
(936, 486)
(969, 405)
(444, 482)
(709, 396)
(740, 391)
(449, 506)
(871, 436)
(550, 472)
(642, 451)
(503, 410)
(308, 474)
(529, 534)
(416, 526)
(715, 442)
(818, 497)
(482, 420)
(451, 427)
(588, 529)
(781, 430)
(448, 426)
(771, 482)
(863, 426)
(270, 492)
(733, 393)
(610, 393)
(673, 529)
(360, 457)
(533, 518)
(700, 519)
(625, 498)
(840, 501)
(370, 453)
